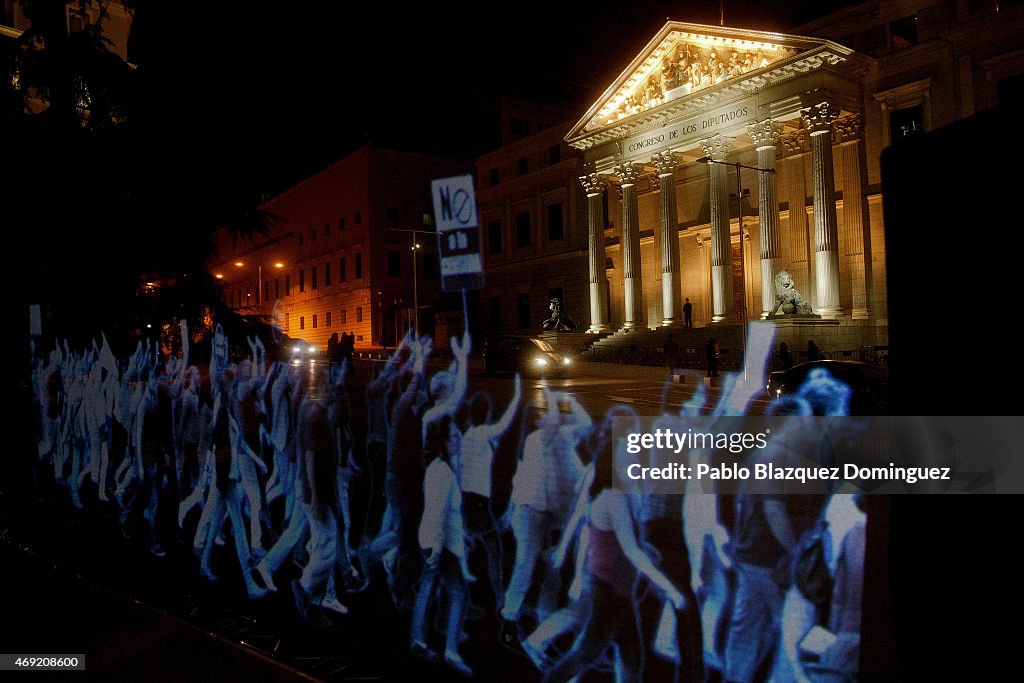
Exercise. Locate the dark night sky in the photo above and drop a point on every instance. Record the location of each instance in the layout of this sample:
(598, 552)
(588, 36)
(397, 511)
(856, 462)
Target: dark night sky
(284, 88)
(235, 102)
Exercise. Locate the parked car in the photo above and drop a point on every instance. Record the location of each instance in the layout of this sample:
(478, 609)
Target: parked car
(869, 383)
(525, 354)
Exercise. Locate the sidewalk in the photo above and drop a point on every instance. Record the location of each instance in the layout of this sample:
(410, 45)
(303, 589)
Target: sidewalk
(70, 584)
(49, 611)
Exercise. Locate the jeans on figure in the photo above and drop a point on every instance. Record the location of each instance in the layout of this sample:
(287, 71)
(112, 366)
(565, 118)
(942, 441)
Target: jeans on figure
(482, 528)
(612, 619)
(754, 625)
(448, 572)
(531, 529)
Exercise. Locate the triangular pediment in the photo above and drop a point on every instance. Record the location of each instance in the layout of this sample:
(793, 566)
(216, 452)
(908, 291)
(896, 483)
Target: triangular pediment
(686, 60)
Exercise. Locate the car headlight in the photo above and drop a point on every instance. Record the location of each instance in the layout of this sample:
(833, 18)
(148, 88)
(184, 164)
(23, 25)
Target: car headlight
(541, 361)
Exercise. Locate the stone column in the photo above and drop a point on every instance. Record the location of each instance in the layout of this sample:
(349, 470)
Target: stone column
(632, 277)
(704, 308)
(765, 135)
(671, 305)
(594, 186)
(849, 132)
(717, 147)
(826, 236)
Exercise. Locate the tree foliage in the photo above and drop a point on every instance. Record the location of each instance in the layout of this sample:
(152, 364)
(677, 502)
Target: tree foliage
(103, 187)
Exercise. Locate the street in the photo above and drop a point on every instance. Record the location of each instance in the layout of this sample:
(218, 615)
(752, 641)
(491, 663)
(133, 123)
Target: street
(599, 386)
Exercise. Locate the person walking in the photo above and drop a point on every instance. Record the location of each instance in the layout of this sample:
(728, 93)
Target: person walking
(813, 352)
(479, 443)
(670, 351)
(319, 501)
(333, 348)
(614, 561)
(442, 539)
(785, 359)
(543, 493)
(712, 353)
(688, 314)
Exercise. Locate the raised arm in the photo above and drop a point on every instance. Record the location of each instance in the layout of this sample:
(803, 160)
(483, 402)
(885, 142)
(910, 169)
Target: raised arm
(417, 362)
(579, 419)
(449, 404)
(461, 353)
(501, 425)
(270, 381)
(391, 367)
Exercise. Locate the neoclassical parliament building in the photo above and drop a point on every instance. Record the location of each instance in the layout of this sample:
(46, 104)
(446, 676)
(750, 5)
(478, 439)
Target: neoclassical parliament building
(729, 156)
(721, 157)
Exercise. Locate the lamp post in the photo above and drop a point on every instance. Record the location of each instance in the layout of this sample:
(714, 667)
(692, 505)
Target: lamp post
(740, 194)
(380, 318)
(415, 289)
(416, 247)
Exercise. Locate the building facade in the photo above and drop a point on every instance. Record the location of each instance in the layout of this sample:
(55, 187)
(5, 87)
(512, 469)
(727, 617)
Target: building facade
(730, 156)
(533, 225)
(352, 250)
(721, 157)
(718, 159)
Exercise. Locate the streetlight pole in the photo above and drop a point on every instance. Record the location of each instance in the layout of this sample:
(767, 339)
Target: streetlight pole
(380, 317)
(415, 289)
(740, 194)
(743, 271)
(416, 247)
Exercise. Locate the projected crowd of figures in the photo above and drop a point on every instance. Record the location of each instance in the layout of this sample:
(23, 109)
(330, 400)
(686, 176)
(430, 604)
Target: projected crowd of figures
(456, 508)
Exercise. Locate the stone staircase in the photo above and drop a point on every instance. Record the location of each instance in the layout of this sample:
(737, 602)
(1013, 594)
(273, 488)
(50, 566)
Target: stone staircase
(572, 344)
(644, 346)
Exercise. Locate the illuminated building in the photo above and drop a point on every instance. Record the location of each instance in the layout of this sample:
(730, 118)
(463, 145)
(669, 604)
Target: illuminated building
(339, 257)
(806, 114)
(532, 215)
(789, 108)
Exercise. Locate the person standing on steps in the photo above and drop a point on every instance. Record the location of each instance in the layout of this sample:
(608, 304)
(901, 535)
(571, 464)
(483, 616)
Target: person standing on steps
(712, 354)
(813, 352)
(785, 359)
